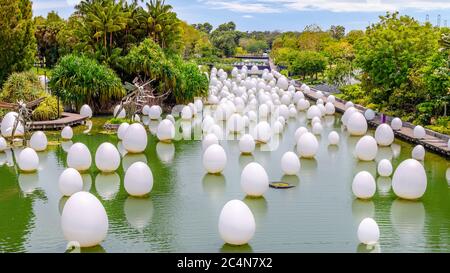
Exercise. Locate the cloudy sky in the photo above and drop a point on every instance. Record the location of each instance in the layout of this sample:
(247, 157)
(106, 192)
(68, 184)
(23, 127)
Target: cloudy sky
(284, 14)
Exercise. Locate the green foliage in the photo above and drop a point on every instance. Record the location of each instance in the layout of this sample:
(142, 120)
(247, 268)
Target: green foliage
(46, 33)
(117, 121)
(254, 46)
(308, 63)
(355, 94)
(24, 86)
(339, 73)
(79, 80)
(337, 32)
(192, 82)
(18, 45)
(225, 38)
(47, 109)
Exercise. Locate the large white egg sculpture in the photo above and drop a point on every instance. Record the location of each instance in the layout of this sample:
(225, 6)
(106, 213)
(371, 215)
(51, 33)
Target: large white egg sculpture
(385, 168)
(299, 132)
(283, 83)
(122, 130)
(84, 220)
(333, 138)
(28, 160)
(368, 232)
(369, 114)
(307, 145)
(3, 144)
(70, 182)
(198, 105)
(107, 158)
(209, 140)
(290, 163)
(262, 132)
(86, 111)
(330, 109)
(138, 179)
(366, 148)
(419, 132)
(364, 185)
(303, 105)
(236, 223)
(396, 124)
(409, 180)
(349, 104)
(247, 144)
(357, 124)
(38, 141)
(235, 123)
(186, 113)
(277, 127)
(384, 135)
(313, 111)
(317, 128)
(145, 110)
(8, 123)
(154, 112)
(79, 157)
(67, 133)
(135, 139)
(165, 131)
(418, 153)
(254, 180)
(350, 111)
(214, 159)
(122, 113)
(331, 99)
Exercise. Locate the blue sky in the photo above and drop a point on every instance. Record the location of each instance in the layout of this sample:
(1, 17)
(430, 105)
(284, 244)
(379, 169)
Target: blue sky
(284, 15)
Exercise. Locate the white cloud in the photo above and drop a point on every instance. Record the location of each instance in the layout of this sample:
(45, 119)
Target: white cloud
(49, 4)
(276, 6)
(247, 16)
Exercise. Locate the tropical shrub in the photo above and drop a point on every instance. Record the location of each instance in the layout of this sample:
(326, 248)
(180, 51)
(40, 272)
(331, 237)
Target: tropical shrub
(47, 109)
(79, 80)
(192, 83)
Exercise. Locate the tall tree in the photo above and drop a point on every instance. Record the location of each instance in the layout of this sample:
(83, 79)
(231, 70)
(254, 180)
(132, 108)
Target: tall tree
(337, 32)
(17, 42)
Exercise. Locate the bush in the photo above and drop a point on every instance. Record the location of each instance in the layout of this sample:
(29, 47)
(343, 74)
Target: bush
(191, 82)
(23, 86)
(48, 109)
(79, 80)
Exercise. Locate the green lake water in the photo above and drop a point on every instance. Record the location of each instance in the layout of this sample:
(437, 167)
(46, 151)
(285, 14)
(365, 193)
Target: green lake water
(181, 214)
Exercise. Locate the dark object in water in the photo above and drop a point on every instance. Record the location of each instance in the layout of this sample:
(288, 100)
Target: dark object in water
(281, 185)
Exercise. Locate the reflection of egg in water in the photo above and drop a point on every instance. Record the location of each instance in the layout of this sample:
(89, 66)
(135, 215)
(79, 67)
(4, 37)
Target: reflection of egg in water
(129, 159)
(384, 153)
(362, 209)
(28, 182)
(153, 126)
(408, 219)
(214, 185)
(65, 145)
(138, 212)
(384, 185)
(87, 181)
(107, 185)
(165, 151)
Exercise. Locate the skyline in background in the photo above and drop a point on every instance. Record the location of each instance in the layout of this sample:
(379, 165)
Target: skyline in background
(283, 15)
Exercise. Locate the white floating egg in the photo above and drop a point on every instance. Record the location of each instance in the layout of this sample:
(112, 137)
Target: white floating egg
(418, 153)
(364, 185)
(254, 180)
(368, 232)
(396, 124)
(366, 148)
(319, 101)
(28, 160)
(330, 109)
(79, 157)
(277, 127)
(333, 138)
(319, 94)
(84, 220)
(3, 144)
(122, 113)
(292, 112)
(369, 114)
(262, 132)
(313, 111)
(122, 130)
(145, 110)
(70, 182)
(67, 133)
(186, 113)
(307, 145)
(286, 99)
(217, 130)
(385, 168)
(283, 83)
(236, 223)
(247, 144)
(138, 179)
(315, 120)
(8, 123)
(419, 132)
(384, 135)
(317, 128)
(209, 140)
(135, 139)
(198, 105)
(290, 163)
(303, 105)
(298, 96)
(214, 159)
(86, 111)
(323, 110)
(284, 111)
(165, 131)
(171, 118)
(282, 120)
(350, 111)
(235, 123)
(357, 124)
(349, 104)
(252, 117)
(154, 112)
(331, 99)
(409, 180)
(107, 158)
(263, 111)
(38, 141)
